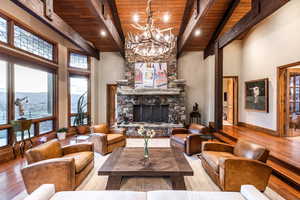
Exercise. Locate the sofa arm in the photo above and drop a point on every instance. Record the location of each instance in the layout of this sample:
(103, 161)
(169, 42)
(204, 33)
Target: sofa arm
(44, 192)
(57, 171)
(179, 131)
(235, 172)
(217, 146)
(100, 142)
(117, 131)
(75, 148)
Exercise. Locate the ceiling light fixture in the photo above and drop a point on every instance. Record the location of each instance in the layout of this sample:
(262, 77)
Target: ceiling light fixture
(151, 43)
(166, 17)
(136, 18)
(103, 33)
(197, 32)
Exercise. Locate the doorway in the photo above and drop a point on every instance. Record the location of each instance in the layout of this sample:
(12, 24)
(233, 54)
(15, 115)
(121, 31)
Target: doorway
(230, 100)
(111, 91)
(288, 118)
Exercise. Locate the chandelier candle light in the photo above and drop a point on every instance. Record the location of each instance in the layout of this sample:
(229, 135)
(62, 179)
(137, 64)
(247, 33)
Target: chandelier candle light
(151, 42)
(147, 135)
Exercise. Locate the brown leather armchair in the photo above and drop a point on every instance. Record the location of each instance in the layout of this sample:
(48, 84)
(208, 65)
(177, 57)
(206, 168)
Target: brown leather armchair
(65, 167)
(188, 140)
(233, 166)
(106, 140)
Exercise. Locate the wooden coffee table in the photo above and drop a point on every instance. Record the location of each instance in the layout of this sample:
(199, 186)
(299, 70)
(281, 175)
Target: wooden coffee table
(164, 162)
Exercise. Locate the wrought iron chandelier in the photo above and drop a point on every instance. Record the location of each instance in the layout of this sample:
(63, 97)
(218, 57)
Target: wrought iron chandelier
(152, 42)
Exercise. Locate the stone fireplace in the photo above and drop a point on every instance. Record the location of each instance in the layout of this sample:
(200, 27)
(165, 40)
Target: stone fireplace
(161, 109)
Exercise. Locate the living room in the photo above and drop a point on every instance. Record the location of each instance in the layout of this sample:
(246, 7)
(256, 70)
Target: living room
(149, 99)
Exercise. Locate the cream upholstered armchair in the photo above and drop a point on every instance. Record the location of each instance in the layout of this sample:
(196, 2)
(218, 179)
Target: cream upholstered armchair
(106, 139)
(50, 163)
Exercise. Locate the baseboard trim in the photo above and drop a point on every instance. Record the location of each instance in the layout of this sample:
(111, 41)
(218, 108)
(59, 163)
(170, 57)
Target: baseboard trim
(258, 128)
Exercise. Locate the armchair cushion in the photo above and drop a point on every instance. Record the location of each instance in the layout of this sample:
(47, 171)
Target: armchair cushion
(213, 157)
(113, 138)
(251, 151)
(82, 159)
(48, 150)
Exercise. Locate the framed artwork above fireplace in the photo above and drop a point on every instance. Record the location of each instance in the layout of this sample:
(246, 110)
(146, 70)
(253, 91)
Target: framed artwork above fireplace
(151, 75)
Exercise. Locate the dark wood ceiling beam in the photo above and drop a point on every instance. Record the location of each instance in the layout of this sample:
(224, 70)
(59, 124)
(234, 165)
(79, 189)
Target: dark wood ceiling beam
(36, 9)
(210, 48)
(204, 6)
(260, 10)
(96, 8)
(116, 18)
(185, 18)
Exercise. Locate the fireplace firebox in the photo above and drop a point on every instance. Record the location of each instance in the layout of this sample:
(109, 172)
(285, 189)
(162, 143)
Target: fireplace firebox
(151, 113)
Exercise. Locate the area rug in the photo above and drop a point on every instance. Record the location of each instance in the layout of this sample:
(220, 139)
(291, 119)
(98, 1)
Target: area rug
(199, 182)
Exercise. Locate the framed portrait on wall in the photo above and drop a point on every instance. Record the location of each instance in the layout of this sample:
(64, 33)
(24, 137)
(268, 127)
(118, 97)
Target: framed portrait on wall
(257, 95)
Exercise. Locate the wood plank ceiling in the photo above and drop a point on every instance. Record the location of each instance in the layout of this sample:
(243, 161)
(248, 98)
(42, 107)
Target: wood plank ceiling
(128, 8)
(77, 13)
(211, 21)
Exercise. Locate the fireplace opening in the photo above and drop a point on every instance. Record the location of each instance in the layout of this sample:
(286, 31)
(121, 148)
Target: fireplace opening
(151, 113)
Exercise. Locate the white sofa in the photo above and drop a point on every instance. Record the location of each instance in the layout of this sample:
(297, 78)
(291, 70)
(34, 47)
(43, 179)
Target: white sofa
(47, 192)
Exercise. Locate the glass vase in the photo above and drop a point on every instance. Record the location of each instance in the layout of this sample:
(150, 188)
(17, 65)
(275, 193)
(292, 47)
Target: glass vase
(146, 150)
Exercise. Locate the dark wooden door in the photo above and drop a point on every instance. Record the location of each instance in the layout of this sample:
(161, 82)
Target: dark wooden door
(111, 90)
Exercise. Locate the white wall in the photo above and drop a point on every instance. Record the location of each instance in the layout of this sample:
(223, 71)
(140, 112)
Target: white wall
(191, 67)
(232, 60)
(110, 69)
(272, 43)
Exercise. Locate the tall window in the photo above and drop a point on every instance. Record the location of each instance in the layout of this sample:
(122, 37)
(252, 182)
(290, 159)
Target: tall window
(3, 30)
(78, 87)
(3, 103)
(3, 93)
(79, 83)
(35, 88)
(32, 43)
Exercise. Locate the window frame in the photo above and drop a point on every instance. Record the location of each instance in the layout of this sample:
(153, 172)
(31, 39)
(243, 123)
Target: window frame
(79, 72)
(11, 98)
(10, 36)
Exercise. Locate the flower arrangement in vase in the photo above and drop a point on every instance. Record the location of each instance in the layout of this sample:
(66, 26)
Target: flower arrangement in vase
(147, 135)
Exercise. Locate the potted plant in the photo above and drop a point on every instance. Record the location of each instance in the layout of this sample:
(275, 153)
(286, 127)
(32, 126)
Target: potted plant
(81, 115)
(61, 133)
